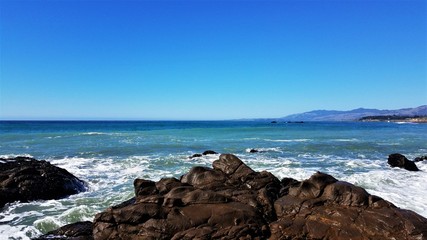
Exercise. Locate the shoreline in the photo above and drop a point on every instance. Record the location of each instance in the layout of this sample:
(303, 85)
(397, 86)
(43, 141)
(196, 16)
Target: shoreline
(395, 119)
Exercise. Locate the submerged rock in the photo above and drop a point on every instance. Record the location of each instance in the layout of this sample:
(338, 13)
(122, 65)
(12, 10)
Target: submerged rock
(420, 159)
(253, 150)
(74, 231)
(195, 155)
(26, 179)
(207, 152)
(232, 201)
(398, 160)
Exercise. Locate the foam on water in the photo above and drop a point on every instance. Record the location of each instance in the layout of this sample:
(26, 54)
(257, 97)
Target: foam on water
(271, 149)
(403, 188)
(110, 157)
(287, 140)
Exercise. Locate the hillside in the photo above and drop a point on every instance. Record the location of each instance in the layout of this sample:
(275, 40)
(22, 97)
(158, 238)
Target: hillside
(353, 115)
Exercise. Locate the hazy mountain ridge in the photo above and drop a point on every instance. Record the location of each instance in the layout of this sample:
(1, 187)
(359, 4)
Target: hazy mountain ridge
(353, 115)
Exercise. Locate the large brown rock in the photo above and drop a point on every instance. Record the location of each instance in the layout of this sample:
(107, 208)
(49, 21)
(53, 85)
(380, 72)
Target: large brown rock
(325, 208)
(232, 201)
(26, 179)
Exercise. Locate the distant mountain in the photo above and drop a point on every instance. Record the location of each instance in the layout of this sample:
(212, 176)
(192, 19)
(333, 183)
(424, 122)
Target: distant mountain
(353, 115)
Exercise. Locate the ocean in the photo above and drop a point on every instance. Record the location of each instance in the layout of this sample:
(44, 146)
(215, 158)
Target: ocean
(109, 155)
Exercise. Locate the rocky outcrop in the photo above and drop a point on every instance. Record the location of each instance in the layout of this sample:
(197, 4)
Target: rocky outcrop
(75, 231)
(232, 201)
(324, 208)
(398, 160)
(26, 179)
(420, 159)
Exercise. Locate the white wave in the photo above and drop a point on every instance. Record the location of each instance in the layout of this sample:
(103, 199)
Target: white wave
(16, 155)
(368, 164)
(54, 137)
(406, 123)
(18, 232)
(287, 140)
(403, 188)
(205, 160)
(274, 149)
(346, 140)
(93, 133)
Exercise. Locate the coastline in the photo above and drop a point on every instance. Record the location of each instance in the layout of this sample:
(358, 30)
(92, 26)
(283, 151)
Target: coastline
(395, 119)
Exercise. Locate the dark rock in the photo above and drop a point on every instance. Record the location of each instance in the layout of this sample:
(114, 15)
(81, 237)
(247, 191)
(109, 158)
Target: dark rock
(232, 201)
(420, 159)
(195, 155)
(207, 152)
(229, 201)
(74, 231)
(273, 121)
(398, 160)
(325, 208)
(253, 150)
(26, 179)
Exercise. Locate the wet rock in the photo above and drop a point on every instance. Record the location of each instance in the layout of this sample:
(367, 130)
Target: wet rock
(229, 201)
(26, 179)
(253, 150)
(420, 159)
(74, 231)
(398, 160)
(207, 152)
(232, 201)
(325, 208)
(195, 155)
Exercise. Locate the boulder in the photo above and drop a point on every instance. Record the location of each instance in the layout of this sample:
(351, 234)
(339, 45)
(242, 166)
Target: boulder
(398, 160)
(232, 201)
(324, 208)
(74, 231)
(26, 179)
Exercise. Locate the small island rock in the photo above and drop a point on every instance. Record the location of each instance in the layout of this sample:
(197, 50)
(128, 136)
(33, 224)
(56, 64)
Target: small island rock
(398, 160)
(207, 152)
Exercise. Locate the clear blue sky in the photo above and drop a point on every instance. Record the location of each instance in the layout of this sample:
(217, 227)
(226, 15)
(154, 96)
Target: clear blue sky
(209, 59)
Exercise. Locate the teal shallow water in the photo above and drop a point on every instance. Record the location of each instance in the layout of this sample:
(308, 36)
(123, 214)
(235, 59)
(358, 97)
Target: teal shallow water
(110, 155)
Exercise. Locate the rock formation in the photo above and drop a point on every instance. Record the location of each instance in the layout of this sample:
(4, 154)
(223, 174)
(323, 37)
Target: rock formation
(398, 160)
(420, 159)
(208, 152)
(26, 179)
(232, 201)
(75, 231)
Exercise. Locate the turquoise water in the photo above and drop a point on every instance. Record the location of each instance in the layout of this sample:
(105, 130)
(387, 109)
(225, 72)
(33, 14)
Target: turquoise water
(110, 155)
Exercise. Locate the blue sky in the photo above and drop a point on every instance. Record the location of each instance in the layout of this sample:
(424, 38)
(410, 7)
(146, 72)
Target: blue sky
(209, 59)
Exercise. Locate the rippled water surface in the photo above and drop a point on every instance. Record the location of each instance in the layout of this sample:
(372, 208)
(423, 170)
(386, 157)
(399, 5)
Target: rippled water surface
(110, 155)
